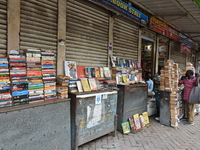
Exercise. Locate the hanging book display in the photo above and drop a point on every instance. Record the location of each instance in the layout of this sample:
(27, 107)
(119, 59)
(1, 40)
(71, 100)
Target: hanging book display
(34, 75)
(49, 74)
(19, 82)
(5, 93)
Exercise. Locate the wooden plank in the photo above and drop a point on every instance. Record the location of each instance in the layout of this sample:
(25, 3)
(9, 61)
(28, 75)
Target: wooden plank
(36, 104)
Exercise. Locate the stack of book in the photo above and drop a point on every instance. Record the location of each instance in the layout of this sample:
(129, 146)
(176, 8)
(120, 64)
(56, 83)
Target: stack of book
(169, 77)
(174, 109)
(49, 74)
(73, 85)
(19, 82)
(62, 83)
(34, 75)
(5, 93)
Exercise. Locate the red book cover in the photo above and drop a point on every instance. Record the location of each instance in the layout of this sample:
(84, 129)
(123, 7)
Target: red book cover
(81, 71)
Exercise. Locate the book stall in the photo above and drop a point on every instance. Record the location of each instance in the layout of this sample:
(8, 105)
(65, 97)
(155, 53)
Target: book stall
(132, 95)
(93, 101)
(29, 102)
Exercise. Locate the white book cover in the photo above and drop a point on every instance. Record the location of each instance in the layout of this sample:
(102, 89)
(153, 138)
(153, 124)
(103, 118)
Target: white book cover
(70, 69)
(79, 86)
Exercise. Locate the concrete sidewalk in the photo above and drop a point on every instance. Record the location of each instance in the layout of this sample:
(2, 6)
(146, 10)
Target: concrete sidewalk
(156, 137)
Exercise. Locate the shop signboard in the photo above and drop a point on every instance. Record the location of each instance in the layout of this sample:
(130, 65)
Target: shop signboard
(126, 9)
(173, 33)
(162, 28)
(185, 49)
(187, 41)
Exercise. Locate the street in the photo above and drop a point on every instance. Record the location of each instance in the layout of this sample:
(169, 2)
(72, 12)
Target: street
(156, 137)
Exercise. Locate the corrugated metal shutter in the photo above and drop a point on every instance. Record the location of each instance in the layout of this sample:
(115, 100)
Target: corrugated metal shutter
(125, 43)
(87, 33)
(39, 24)
(177, 56)
(3, 28)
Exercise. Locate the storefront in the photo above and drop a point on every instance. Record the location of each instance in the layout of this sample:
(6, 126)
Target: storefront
(176, 55)
(87, 34)
(162, 53)
(148, 46)
(3, 28)
(125, 38)
(38, 25)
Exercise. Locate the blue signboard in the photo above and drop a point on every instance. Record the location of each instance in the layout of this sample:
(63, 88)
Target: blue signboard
(128, 10)
(186, 40)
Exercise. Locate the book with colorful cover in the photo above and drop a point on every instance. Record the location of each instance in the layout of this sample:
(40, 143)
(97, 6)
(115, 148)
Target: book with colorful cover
(126, 128)
(107, 73)
(85, 85)
(114, 61)
(132, 125)
(97, 73)
(142, 121)
(70, 69)
(93, 72)
(137, 121)
(81, 72)
(146, 117)
(88, 72)
(101, 72)
(93, 85)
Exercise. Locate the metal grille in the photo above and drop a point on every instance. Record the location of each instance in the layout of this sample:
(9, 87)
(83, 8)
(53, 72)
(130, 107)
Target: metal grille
(38, 27)
(126, 34)
(87, 34)
(177, 56)
(3, 28)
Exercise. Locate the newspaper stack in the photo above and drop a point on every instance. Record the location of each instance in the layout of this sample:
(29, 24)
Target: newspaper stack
(34, 75)
(49, 74)
(5, 93)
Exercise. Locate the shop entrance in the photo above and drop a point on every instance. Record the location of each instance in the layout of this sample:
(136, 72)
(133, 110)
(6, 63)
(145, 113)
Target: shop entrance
(147, 56)
(162, 54)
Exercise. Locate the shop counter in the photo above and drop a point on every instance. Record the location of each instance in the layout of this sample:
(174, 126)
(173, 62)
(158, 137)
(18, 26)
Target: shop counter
(42, 125)
(93, 114)
(132, 99)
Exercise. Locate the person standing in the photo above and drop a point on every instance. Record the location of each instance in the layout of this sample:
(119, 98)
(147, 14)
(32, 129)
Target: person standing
(189, 82)
(156, 89)
(148, 77)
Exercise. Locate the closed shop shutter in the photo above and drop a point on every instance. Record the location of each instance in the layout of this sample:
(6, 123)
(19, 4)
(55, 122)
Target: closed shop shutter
(177, 56)
(3, 28)
(38, 28)
(87, 33)
(125, 39)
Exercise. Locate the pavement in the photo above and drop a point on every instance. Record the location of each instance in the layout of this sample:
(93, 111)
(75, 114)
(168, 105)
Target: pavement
(155, 137)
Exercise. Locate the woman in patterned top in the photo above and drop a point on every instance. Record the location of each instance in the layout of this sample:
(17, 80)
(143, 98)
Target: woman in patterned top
(189, 82)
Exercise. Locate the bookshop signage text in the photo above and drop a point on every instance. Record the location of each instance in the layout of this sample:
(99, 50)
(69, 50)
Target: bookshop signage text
(185, 48)
(163, 28)
(128, 10)
(186, 40)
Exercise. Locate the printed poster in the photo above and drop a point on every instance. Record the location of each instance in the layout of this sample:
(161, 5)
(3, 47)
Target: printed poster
(94, 112)
(70, 69)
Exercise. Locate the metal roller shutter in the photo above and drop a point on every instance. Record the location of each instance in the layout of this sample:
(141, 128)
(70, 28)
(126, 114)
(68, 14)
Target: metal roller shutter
(125, 39)
(38, 27)
(177, 56)
(87, 33)
(3, 28)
